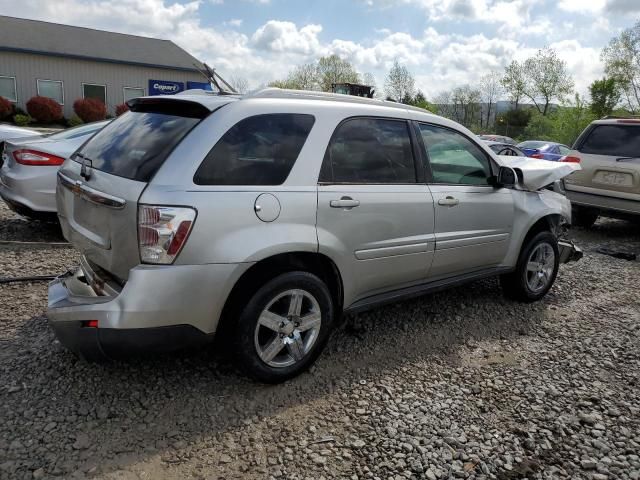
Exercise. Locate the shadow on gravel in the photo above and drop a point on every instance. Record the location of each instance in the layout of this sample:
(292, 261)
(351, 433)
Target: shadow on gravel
(132, 410)
(27, 230)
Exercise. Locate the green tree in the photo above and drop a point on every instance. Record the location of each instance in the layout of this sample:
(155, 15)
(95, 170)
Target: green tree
(333, 69)
(400, 84)
(514, 82)
(604, 96)
(622, 63)
(563, 125)
(547, 79)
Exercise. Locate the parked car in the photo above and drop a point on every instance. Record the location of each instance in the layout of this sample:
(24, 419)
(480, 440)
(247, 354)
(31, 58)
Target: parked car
(609, 182)
(544, 150)
(28, 173)
(9, 132)
(265, 217)
(497, 138)
(505, 149)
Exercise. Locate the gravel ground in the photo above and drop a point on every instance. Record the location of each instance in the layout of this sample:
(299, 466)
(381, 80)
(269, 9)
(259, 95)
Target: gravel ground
(461, 384)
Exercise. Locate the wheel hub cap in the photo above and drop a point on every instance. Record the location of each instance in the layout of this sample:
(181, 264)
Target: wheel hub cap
(287, 328)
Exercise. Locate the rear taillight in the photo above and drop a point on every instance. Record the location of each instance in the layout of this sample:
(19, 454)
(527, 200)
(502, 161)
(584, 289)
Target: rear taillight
(537, 155)
(570, 159)
(34, 157)
(163, 231)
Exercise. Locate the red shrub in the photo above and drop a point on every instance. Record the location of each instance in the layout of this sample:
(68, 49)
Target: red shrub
(120, 109)
(90, 109)
(44, 109)
(6, 108)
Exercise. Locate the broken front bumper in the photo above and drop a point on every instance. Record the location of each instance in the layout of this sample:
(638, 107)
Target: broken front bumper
(569, 252)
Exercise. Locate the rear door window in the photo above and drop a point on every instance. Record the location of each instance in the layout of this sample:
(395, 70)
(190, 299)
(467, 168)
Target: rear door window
(370, 150)
(259, 150)
(136, 144)
(614, 140)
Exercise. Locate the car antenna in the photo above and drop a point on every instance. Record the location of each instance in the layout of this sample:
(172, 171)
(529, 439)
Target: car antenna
(213, 77)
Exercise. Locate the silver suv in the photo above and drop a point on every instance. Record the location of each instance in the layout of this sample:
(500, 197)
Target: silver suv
(268, 216)
(609, 184)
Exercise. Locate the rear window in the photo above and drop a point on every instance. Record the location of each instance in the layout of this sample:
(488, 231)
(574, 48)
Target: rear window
(77, 132)
(533, 144)
(259, 150)
(136, 144)
(615, 140)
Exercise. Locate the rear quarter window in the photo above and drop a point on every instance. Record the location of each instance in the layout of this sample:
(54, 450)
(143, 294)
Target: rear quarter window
(258, 150)
(614, 140)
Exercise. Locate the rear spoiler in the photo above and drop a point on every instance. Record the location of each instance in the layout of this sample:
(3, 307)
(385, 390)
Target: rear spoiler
(169, 106)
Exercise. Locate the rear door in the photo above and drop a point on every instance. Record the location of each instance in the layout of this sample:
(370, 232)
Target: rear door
(98, 190)
(375, 214)
(473, 219)
(609, 160)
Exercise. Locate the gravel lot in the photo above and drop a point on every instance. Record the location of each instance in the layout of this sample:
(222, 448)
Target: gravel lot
(461, 384)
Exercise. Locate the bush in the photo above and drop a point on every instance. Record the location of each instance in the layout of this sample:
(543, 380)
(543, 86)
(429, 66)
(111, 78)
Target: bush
(90, 109)
(122, 108)
(6, 108)
(74, 121)
(44, 109)
(22, 120)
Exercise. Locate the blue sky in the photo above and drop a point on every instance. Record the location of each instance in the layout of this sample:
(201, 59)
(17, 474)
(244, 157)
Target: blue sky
(444, 43)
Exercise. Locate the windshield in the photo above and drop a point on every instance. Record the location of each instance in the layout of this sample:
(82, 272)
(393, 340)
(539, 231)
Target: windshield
(136, 144)
(79, 131)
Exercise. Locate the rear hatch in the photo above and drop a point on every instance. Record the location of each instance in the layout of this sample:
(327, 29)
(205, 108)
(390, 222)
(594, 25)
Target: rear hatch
(610, 158)
(99, 187)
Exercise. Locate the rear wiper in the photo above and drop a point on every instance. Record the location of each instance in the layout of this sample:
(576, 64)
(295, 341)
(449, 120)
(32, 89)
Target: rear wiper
(624, 159)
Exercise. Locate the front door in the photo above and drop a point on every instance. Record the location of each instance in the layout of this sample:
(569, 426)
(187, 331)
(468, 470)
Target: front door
(473, 219)
(375, 219)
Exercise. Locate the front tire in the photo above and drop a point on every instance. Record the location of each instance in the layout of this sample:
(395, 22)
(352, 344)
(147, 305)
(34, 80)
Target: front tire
(284, 327)
(535, 271)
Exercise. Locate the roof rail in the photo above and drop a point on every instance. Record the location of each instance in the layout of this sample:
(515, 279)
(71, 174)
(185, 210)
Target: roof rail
(613, 117)
(274, 92)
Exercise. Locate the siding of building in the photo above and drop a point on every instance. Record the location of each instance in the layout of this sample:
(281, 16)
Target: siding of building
(28, 67)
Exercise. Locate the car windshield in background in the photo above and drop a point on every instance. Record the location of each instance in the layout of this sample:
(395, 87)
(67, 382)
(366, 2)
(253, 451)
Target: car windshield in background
(533, 144)
(80, 131)
(615, 140)
(136, 144)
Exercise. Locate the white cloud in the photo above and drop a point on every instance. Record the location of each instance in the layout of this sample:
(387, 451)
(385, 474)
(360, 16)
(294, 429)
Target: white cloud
(277, 36)
(582, 6)
(438, 60)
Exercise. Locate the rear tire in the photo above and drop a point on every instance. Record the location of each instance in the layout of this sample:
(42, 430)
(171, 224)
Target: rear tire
(584, 217)
(284, 327)
(535, 271)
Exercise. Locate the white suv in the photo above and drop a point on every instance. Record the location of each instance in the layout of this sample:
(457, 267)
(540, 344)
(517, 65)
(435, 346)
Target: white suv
(267, 216)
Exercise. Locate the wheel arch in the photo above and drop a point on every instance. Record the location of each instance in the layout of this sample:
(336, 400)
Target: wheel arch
(270, 267)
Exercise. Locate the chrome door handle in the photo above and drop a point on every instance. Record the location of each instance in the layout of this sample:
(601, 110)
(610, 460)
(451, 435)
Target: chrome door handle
(344, 202)
(448, 201)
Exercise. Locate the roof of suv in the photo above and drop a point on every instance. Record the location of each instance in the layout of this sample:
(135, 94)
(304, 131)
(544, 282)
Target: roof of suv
(617, 121)
(213, 100)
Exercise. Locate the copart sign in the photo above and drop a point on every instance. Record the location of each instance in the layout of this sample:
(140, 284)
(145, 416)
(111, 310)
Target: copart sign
(164, 87)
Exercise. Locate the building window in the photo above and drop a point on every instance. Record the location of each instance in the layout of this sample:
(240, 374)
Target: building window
(52, 89)
(8, 88)
(129, 93)
(91, 90)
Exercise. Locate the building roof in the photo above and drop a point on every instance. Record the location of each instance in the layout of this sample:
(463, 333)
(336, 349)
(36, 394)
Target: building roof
(45, 38)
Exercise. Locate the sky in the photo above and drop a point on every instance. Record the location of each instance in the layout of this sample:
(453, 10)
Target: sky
(443, 43)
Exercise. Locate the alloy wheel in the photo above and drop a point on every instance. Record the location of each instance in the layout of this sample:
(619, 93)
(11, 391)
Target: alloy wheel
(287, 328)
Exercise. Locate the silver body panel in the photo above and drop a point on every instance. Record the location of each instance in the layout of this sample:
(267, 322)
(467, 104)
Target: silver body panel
(397, 235)
(35, 186)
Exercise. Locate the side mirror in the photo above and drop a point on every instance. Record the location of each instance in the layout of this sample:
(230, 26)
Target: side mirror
(506, 177)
